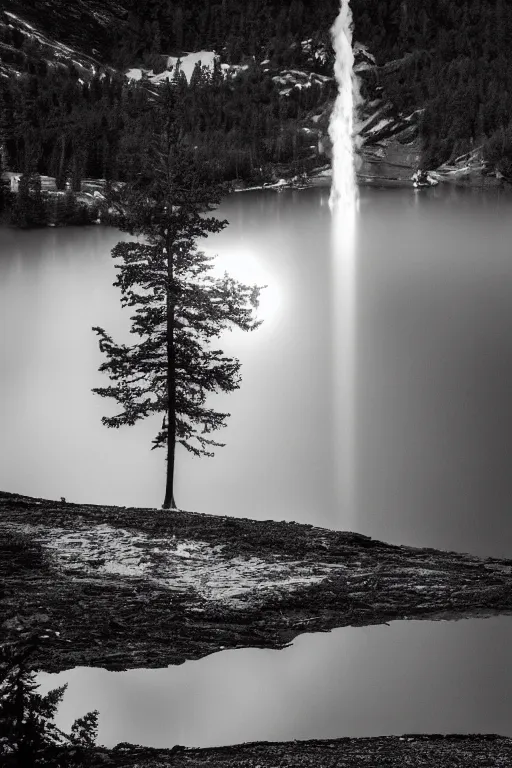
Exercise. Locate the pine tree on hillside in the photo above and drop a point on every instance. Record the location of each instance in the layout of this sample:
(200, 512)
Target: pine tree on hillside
(28, 209)
(59, 163)
(58, 210)
(78, 162)
(20, 215)
(5, 191)
(28, 736)
(180, 309)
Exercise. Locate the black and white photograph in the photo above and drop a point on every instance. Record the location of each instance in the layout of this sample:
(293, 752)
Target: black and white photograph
(255, 384)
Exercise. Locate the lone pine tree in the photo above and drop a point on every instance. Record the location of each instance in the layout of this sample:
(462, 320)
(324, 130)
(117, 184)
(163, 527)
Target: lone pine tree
(180, 307)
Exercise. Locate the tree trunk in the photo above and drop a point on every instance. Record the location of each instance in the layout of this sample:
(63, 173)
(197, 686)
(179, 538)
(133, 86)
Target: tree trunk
(76, 175)
(169, 502)
(60, 180)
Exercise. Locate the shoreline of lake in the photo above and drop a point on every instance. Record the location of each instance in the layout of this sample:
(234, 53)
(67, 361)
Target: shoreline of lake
(322, 176)
(413, 750)
(129, 588)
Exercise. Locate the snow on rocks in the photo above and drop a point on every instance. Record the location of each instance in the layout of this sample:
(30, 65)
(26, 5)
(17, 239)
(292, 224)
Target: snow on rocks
(134, 73)
(318, 53)
(104, 551)
(423, 179)
(363, 66)
(233, 69)
(361, 51)
(294, 78)
(378, 127)
(59, 49)
(20, 21)
(57, 55)
(187, 62)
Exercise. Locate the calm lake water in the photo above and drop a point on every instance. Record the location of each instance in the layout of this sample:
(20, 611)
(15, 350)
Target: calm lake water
(375, 397)
(410, 677)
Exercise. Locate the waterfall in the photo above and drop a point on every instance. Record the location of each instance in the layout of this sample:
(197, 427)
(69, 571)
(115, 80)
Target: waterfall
(343, 203)
(341, 127)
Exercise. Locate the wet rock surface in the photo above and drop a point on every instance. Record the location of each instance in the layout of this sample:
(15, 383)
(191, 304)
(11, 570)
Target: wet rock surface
(129, 588)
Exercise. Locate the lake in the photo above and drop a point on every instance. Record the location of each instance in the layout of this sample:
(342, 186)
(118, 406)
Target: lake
(375, 397)
(410, 677)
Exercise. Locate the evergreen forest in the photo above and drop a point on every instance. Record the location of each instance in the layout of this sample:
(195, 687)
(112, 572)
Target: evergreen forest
(445, 63)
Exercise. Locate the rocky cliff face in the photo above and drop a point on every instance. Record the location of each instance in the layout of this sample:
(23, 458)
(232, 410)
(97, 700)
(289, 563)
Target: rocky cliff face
(389, 146)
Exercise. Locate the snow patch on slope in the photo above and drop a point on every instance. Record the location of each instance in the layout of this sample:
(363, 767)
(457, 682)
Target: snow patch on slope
(380, 125)
(318, 53)
(187, 63)
(361, 51)
(97, 550)
(294, 78)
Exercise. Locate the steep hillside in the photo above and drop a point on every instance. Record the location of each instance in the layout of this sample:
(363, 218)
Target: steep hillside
(85, 26)
(436, 83)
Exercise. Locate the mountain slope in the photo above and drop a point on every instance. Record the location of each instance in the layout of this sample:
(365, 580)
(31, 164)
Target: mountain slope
(84, 25)
(436, 79)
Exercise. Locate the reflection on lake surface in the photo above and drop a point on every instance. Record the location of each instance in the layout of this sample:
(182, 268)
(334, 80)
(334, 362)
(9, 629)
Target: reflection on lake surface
(432, 336)
(430, 297)
(413, 676)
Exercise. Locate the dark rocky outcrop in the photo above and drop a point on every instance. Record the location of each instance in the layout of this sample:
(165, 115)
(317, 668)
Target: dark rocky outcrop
(128, 588)
(411, 750)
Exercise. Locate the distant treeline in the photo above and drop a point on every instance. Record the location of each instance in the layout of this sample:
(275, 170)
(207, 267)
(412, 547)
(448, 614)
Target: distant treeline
(455, 64)
(454, 58)
(266, 29)
(56, 124)
(31, 207)
(448, 60)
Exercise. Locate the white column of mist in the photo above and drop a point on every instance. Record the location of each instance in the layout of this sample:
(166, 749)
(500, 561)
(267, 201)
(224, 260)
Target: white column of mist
(343, 204)
(341, 126)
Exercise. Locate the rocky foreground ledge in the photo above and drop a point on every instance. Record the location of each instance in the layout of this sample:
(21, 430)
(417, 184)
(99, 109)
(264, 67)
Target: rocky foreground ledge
(126, 588)
(411, 750)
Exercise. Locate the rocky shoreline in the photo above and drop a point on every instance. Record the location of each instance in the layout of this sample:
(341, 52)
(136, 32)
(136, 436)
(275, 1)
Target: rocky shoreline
(411, 750)
(386, 165)
(130, 588)
(389, 165)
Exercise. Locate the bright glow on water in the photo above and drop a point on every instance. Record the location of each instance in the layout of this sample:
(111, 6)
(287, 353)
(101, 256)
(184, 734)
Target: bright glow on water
(343, 296)
(243, 264)
(343, 203)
